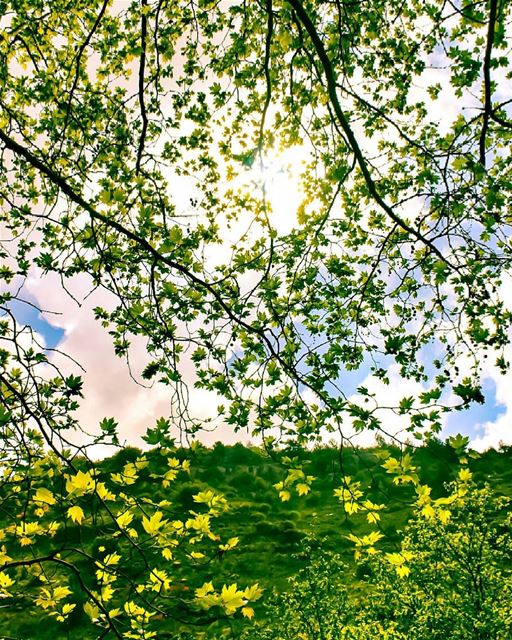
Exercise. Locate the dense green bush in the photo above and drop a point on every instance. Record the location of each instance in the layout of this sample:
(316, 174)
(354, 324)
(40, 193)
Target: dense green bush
(451, 579)
(458, 581)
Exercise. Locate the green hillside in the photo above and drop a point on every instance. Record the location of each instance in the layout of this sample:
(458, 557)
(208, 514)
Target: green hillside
(271, 533)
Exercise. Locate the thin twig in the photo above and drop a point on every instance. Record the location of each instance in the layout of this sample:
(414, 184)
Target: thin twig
(142, 67)
(331, 79)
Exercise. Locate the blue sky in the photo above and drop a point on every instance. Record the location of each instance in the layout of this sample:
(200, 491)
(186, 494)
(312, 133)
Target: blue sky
(467, 421)
(26, 314)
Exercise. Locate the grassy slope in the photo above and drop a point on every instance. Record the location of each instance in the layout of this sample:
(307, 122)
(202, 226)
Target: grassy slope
(270, 531)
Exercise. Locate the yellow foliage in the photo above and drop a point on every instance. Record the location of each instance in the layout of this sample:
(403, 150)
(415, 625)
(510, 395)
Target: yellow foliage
(366, 543)
(350, 495)
(302, 488)
(444, 515)
(124, 519)
(403, 470)
(44, 495)
(111, 559)
(152, 525)
(4, 558)
(128, 475)
(216, 502)
(203, 591)
(253, 592)
(159, 580)
(230, 544)
(399, 560)
(200, 523)
(138, 613)
(61, 592)
(372, 511)
(48, 598)
(465, 475)
(107, 592)
(231, 598)
(76, 514)
(428, 511)
(103, 493)
(5, 583)
(80, 483)
(91, 610)
(26, 532)
(61, 615)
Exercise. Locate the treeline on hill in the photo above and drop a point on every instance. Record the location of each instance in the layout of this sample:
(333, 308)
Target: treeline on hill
(273, 535)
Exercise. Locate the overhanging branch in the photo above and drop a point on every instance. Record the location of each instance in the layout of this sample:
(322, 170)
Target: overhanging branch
(330, 76)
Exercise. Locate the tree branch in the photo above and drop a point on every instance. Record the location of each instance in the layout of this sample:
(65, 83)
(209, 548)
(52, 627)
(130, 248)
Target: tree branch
(488, 112)
(77, 198)
(53, 557)
(79, 55)
(330, 76)
(142, 67)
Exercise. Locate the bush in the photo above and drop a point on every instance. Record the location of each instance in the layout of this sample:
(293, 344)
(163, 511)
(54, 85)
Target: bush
(457, 580)
(315, 605)
(452, 578)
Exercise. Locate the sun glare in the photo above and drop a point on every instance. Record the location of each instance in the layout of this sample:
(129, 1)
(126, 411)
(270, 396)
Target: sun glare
(278, 177)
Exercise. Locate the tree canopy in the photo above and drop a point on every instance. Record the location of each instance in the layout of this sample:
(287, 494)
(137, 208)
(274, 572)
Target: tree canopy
(139, 144)
(448, 580)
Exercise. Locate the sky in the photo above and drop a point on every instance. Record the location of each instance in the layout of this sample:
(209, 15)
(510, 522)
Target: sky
(26, 312)
(110, 391)
(108, 385)
(107, 382)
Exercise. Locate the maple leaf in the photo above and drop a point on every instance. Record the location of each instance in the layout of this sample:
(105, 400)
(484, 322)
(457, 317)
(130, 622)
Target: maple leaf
(76, 514)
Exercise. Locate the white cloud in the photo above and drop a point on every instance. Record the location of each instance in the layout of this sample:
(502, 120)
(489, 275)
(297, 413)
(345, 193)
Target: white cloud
(109, 390)
(495, 432)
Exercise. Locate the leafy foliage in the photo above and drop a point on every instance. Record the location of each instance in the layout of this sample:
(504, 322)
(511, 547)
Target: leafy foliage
(448, 579)
(396, 249)
(393, 264)
(102, 543)
(270, 545)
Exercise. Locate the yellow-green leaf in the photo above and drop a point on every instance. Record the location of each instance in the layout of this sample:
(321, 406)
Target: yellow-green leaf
(44, 495)
(76, 514)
